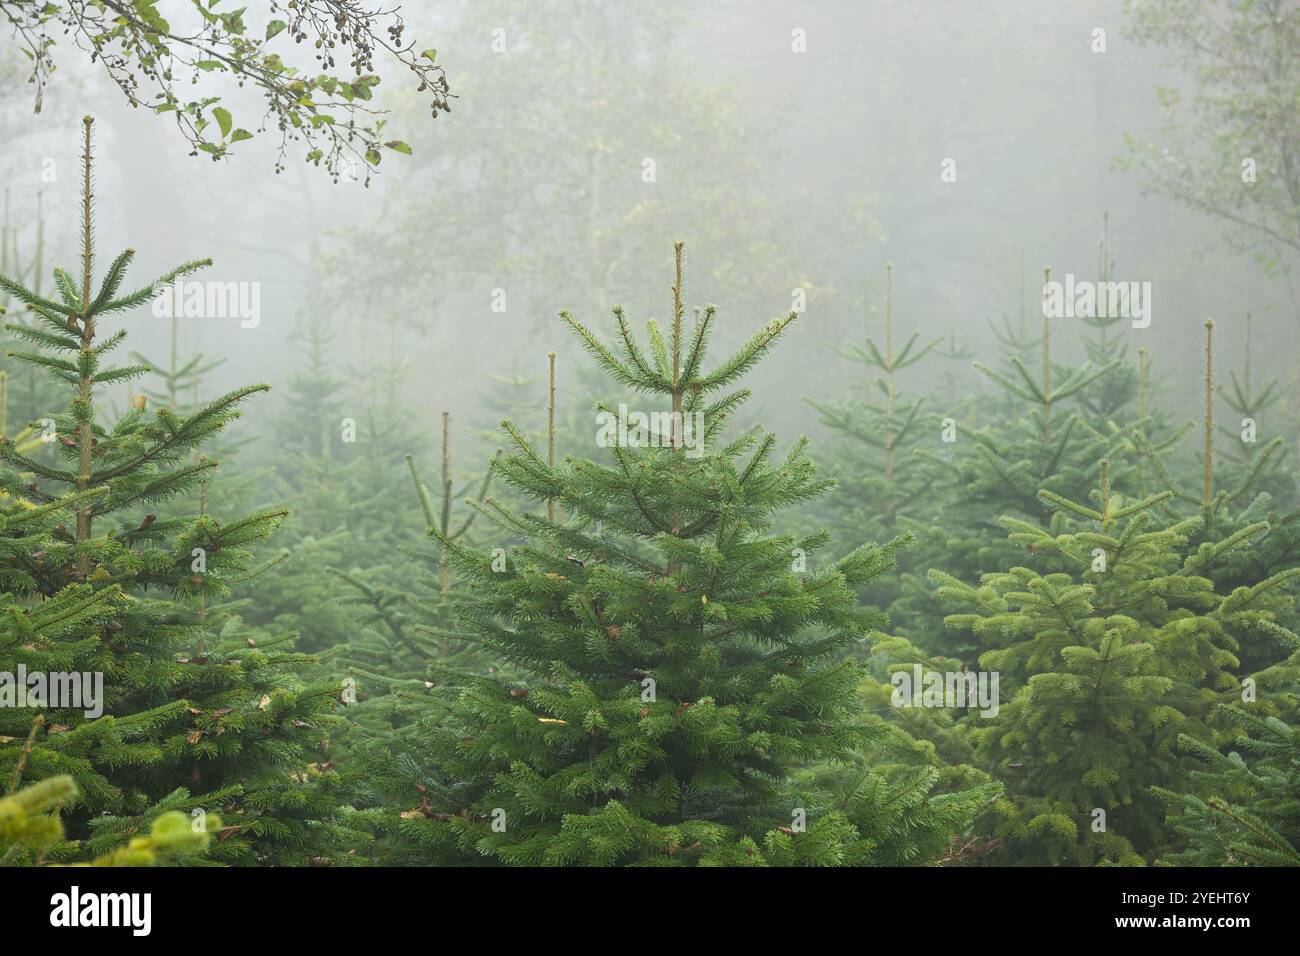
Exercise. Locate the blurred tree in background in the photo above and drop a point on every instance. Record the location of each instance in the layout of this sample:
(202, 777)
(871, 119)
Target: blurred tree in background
(1233, 150)
(628, 145)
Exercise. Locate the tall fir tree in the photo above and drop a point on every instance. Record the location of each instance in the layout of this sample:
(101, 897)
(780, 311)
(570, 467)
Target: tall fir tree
(680, 691)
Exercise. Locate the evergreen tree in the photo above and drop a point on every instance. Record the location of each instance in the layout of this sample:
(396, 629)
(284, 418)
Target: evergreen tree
(410, 638)
(893, 470)
(674, 670)
(1107, 349)
(1026, 443)
(884, 479)
(1251, 815)
(1251, 405)
(198, 714)
(336, 456)
(1038, 446)
(407, 654)
(180, 378)
(26, 397)
(1106, 662)
(516, 396)
(1229, 508)
(1017, 341)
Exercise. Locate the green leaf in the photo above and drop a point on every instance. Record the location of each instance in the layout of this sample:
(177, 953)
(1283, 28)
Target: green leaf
(397, 146)
(240, 134)
(275, 27)
(430, 54)
(223, 120)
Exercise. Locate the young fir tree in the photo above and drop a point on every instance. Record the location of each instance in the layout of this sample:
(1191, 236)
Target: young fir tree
(1271, 489)
(193, 719)
(336, 456)
(1031, 437)
(410, 639)
(515, 396)
(882, 481)
(923, 470)
(1227, 507)
(1107, 349)
(1017, 340)
(222, 491)
(407, 655)
(1042, 444)
(1249, 814)
(27, 398)
(1251, 406)
(676, 663)
(180, 379)
(1102, 665)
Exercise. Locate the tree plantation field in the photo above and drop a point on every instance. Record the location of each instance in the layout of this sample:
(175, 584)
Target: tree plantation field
(583, 434)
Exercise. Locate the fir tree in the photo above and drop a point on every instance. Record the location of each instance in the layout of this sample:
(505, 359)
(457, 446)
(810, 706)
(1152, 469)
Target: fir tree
(406, 656)
(1106, 662)
(1250, 815)
(893, 464)
(1016, 341)
(1033, 439)
(180, 378)
(1228, 509)
(1107, 349)
(674, 671)
(1248, 402)
(410, 638)
(198, 714)
(26, 397)
(336, 457)
(884, 479)
(1038, 447)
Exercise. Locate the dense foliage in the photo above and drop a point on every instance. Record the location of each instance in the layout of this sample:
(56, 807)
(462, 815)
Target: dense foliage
(1021, 607)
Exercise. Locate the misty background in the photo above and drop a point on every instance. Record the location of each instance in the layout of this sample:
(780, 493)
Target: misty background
(781, 170)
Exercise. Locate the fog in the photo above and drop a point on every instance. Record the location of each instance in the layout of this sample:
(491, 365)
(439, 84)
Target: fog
(440, 520)
(781, 170)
